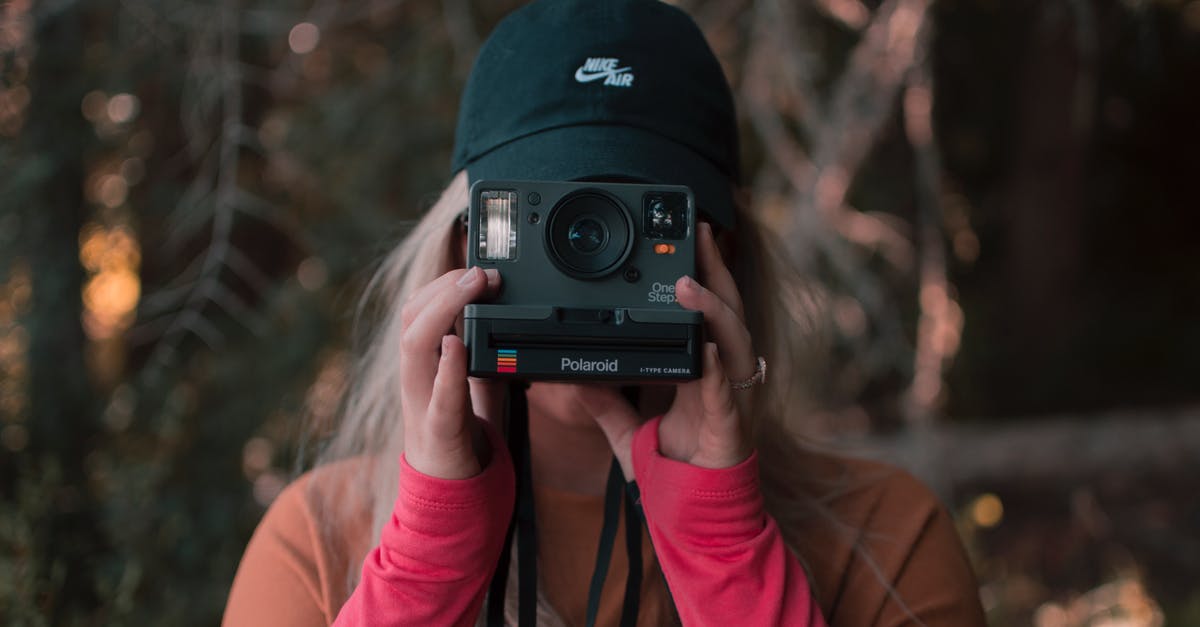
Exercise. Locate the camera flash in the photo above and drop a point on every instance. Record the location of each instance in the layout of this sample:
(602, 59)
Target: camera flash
(498, 225)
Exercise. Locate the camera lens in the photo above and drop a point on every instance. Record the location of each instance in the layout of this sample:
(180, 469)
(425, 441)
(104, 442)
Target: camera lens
(589, 234)
(586, 235)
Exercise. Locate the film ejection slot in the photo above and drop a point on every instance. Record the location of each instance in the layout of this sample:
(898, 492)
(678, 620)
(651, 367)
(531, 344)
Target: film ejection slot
(573, 315)
(498, 225)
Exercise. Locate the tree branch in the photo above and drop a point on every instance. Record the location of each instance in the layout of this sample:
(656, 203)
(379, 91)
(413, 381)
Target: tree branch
(1063, 448)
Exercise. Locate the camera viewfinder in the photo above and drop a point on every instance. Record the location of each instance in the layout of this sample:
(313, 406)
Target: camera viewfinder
(665, 215)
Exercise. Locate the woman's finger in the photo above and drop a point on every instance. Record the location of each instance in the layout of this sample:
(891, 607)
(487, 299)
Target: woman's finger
(719, 440)
(444, 443)
(422, 296)
(713, 271)
(422, 337)
(723, 323)
(449, 399)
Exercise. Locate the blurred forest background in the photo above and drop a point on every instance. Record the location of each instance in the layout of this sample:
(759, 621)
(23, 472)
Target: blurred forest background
(996, 200)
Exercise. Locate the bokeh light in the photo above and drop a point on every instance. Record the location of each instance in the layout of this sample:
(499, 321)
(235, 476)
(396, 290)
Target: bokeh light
(987, 510)
(123, 108)
(94, 105)
(312, 274)
(113, 257)
(966, 246)
(304, 37)
(1121, 603)
(326, 392)
(113, 191)
(267, 486)
(256, 456)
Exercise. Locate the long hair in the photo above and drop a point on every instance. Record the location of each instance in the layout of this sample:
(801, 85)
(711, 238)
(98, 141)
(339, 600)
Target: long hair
(780, 316)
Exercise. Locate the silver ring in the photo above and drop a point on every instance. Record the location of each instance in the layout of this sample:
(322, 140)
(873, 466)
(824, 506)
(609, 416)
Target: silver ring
(759, 376)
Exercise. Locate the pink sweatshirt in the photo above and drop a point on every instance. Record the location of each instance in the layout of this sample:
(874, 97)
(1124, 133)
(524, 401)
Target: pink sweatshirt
(722, 555)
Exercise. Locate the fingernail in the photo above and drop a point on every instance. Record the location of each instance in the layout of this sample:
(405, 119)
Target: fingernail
(445, 345)
(707, 228)
(469, 278)
(687, 282)
(493, 276)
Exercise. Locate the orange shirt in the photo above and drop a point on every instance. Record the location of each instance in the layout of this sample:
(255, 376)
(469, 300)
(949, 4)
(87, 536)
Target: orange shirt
(885, 527)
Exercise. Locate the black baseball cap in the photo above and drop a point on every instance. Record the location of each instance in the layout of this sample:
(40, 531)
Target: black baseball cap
(586, 89)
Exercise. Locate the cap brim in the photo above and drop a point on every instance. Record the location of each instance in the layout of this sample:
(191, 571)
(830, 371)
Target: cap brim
(596, 151)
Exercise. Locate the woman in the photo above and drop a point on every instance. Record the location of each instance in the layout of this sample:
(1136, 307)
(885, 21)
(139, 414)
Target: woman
(407, 520)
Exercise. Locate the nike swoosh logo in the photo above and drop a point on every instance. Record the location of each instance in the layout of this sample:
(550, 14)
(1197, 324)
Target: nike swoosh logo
(587, 77)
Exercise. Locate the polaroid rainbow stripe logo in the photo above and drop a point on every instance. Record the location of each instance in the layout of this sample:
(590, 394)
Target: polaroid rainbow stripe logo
(506, 360)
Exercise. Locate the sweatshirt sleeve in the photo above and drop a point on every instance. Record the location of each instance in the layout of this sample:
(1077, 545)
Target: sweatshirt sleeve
(437, 553)
(723, 557)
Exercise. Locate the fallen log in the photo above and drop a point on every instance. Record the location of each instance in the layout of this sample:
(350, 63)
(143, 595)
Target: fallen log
(1061, 448)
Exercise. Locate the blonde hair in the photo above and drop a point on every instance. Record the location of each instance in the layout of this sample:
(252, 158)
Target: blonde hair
(779, 314)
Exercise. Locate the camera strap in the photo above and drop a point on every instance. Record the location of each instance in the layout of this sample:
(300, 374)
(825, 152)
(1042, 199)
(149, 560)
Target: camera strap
(618, 488)
(523, 526)
(523, 523)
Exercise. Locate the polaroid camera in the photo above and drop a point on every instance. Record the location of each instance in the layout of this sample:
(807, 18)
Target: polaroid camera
(588, 289)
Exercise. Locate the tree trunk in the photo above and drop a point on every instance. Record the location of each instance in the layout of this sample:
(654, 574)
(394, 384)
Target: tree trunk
(61, 420)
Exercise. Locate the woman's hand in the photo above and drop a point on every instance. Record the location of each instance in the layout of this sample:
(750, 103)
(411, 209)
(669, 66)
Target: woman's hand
(703, 426)
(442, 436)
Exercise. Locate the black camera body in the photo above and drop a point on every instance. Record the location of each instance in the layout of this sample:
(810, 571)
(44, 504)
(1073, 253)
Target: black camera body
(588, 290)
